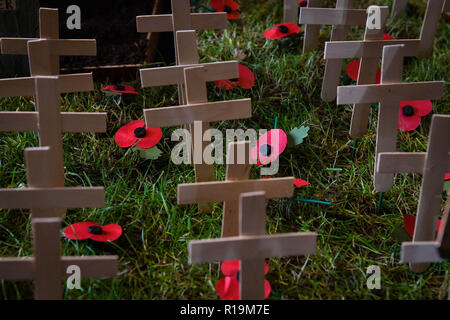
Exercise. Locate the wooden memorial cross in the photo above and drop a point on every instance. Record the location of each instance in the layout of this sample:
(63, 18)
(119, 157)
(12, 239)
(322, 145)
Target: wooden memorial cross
(369, 50)
(252, 246)
(389, 94)
(341, 18)
(47, 268)
(181, 19)
(368, 66)
(44, 52)
(433, 165)
(398, 7)
(228, 191)
(48, 120)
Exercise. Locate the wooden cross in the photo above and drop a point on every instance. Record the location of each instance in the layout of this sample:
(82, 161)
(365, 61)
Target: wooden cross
(389, 94)
(368, 66)
(48, 120)
(252, 246)
(341, 18)
(237, 182)
(433, 165)
(290, 10)
(47, 268)
(44, 52)
(181, 19)
(369, 51)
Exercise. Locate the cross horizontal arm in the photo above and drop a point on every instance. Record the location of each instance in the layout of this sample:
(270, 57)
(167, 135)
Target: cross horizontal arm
(420, 252)
(330, 16)
(165, 76)
(230, 190)
(206, 112)
(68, 83)
(403, 162)
(90, 267)
(252, 247)
(70, 121)
(59, 47)
(199, 21)
(46, 198)
(367, 48)
(370, 93)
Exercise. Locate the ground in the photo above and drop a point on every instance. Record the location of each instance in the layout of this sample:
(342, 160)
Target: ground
(141, 194)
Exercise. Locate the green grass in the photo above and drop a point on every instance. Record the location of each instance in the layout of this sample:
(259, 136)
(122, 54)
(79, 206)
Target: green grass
(141, 194)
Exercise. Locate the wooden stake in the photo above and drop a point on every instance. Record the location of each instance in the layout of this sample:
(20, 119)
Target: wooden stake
(398, 8)
(312, 31)
(252, 246)
(290, 11)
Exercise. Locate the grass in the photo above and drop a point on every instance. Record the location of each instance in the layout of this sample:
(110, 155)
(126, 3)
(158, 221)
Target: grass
(141, 194)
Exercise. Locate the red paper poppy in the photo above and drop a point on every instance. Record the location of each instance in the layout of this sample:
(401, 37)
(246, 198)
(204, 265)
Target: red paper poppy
(410, 113)
(387, 37)
(246, 80)
(447, 176)
(228, 6)
(136, 131)
(93, 231)
(228, 288)
(302, 3)
(269, 146)
(409, 221)
(282, 30)
(121, 89)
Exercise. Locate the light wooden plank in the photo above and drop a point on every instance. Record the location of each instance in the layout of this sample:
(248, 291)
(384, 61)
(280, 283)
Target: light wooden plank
(209, 20)
(206, 112)
(429, 26)
(368, 48)
(38, 168)
(398, 8)
(47, 255)
(154, 23)
(252, 247)
(15, 45)
(420, 252)
(228, 190)
(16, 87)
(332, 16)
(290, 11)
(73, 47)
(47, 198)
(16, 268)
(238, 168)
(92, 266)
(311, 35)
(187, 41)
(49, 23)
(395, 92)
(71, 121)
(165, 76)
(41, 62)
(403, 162)
(77, 82)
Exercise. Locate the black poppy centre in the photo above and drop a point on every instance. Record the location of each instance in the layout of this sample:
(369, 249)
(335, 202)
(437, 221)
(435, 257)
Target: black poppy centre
(407, 111)
(119, 87)
(227, 9)
(265, 150)
(283, 29)
(140, 132)
(95, 230)
(304, 3)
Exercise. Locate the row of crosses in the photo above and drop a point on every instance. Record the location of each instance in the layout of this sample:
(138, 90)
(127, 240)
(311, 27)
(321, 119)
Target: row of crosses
(243, 226)
(45, 195)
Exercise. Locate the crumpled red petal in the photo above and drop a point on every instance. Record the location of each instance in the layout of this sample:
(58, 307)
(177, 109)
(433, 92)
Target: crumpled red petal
(128, 89)
(230, 267)
(300, 183)
(79, 230)
(228, 288)
(153, 136)
(275, 34)
(447, 176)
(387, 37)
(125, 137)
(234, 15)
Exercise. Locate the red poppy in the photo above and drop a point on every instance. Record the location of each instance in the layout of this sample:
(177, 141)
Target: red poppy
(269, 146)
(447, 176)
(282, 30)
(246, 80)
(136, 131)
(409, 221)
(228, 288)
(93, 231)
(352, 67)
(228, 6)
(302, 3)
(121, 89)
(410, 113)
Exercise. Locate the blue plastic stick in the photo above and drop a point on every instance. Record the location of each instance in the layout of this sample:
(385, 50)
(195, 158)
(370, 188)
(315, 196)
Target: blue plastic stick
(310, 200)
